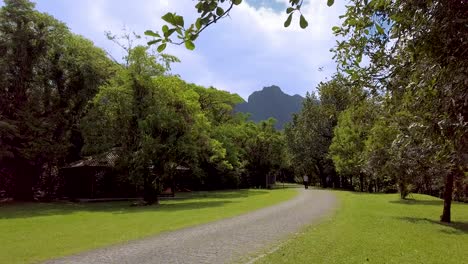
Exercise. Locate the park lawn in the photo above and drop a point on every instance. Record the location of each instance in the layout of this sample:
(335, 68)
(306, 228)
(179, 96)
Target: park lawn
(39, 231)
(381, 228)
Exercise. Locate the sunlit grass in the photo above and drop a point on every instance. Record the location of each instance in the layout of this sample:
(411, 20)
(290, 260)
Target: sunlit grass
(380, 228)
(34, 232)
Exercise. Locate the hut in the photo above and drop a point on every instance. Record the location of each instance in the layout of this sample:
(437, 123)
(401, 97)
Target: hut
(94, 177)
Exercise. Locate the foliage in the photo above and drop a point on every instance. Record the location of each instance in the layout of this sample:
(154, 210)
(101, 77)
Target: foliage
(148, 116)
(48, 75)
(348, 145)
(310, 134)
(210, 12)
(416, 57)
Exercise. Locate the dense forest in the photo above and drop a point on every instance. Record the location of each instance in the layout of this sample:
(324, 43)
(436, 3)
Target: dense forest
(392, 119)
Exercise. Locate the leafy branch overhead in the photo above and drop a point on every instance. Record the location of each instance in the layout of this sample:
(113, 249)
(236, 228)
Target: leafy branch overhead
(210, 12)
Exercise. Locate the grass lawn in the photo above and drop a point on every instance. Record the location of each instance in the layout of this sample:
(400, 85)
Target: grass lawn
(35, 232)
(380, 228)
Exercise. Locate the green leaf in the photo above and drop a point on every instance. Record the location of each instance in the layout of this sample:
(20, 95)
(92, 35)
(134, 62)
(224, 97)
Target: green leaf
(153, 42)
(189, 45)
(193, 37)
(330, 2)
(219, 11)
(379, 29)
(289, 10)
(179, 21)
(237, 2)
(152, 33)
(288, 21)
(168, 17)
(169, 32)
(198, 23)
(303, 22)
(165, 28)
(335, 29)
(161, 47)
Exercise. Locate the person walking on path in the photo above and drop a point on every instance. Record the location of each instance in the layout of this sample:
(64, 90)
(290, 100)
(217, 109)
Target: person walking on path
(306, 181)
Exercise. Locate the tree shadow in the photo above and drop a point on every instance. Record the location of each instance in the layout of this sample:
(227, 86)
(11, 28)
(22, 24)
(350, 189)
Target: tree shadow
(187, 201)
(287, 185)
(28, 210)
(457, 228)
(225, 194)
(418, 202)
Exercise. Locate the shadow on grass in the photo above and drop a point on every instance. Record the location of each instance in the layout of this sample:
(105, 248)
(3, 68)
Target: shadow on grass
(190, 201)
(226, 194)
(457, 228)
(418, 202)
(54, 209)
(287, 185)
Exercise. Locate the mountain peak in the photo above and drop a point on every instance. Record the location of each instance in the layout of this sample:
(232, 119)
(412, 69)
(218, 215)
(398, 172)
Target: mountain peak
(272, 88)
(271, 101)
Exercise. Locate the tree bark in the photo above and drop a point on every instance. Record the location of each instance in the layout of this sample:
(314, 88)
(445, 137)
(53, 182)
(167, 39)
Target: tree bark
(446, 216)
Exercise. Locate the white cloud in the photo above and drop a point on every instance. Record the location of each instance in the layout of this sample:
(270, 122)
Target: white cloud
(241, 54)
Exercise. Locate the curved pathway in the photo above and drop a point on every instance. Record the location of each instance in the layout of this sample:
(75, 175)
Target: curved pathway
(223, 241)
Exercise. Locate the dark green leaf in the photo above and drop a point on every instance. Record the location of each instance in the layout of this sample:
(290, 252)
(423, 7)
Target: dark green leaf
(219, 11)
(288, 21)
(289, 10)
(153, 42)
(330, 2)
(169, 32)
(189, 45)
(303, 22)
(335, 29)
(237, 2)
(161, 47)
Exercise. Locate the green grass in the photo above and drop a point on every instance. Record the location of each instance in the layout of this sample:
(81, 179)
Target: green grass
(35, 232)
(380, 228)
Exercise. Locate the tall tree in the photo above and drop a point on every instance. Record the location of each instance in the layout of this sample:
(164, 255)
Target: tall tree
(48, 75)
(417, 52)
(151, 118)
(311, 132)
(348, 145)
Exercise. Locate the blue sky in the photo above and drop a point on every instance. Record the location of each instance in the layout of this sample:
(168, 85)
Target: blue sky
(240, 54)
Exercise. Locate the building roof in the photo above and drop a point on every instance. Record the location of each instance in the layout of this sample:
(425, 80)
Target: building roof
(106, 159)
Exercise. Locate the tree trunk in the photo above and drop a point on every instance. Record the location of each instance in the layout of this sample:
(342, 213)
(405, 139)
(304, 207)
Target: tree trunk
(24, 181)
(361, 182)
(447, 198)
(150, 195)
(323, 180)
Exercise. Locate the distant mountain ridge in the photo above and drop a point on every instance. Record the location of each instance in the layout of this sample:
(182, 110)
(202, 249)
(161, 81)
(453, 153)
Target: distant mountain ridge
(271, 101)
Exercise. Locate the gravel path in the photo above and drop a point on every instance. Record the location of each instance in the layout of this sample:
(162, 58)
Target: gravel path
(218, 242)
